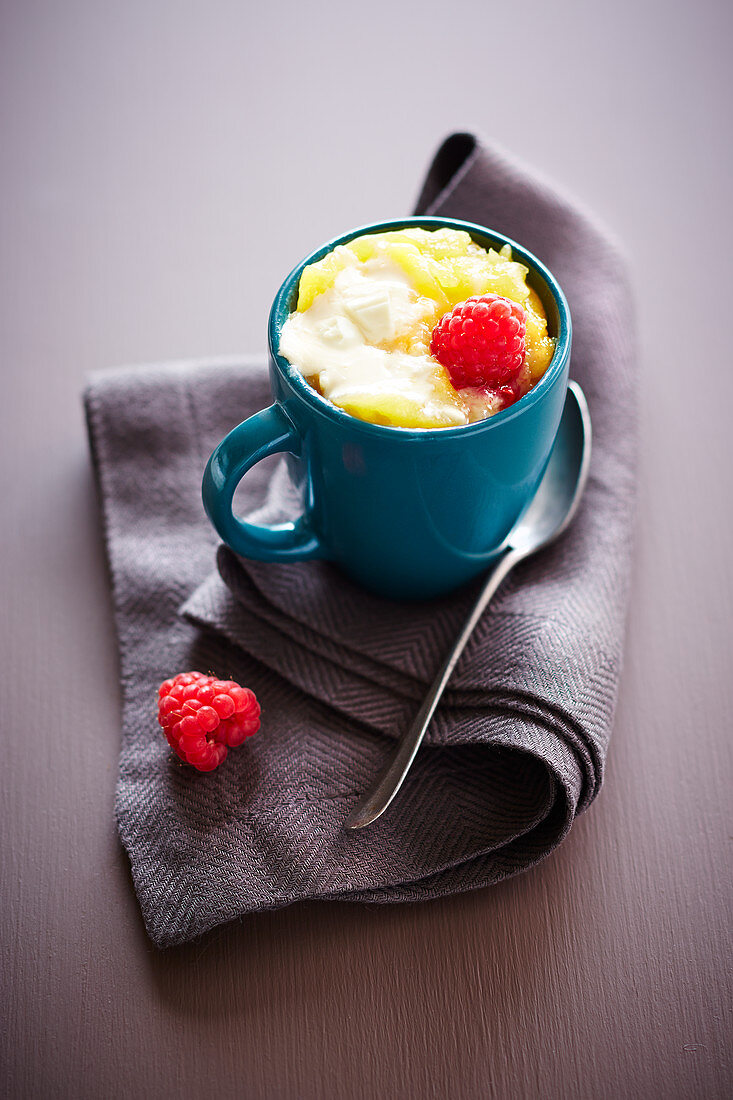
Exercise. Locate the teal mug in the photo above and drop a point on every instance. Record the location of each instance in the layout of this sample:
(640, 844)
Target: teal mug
(407, 513)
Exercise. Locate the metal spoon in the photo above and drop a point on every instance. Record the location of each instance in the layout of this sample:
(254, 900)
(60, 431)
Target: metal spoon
(553, 507)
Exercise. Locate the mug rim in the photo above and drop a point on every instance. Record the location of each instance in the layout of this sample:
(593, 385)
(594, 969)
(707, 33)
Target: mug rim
(280, 310)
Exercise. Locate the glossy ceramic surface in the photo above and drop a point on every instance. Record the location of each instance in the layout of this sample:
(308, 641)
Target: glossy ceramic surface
(407, 513)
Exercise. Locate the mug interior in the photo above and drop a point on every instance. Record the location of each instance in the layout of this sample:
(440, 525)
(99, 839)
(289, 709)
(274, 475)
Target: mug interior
(538, 277)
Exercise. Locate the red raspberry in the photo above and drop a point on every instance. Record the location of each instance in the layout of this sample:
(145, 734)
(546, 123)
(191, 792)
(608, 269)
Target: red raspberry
(481, 341)
(203, 717)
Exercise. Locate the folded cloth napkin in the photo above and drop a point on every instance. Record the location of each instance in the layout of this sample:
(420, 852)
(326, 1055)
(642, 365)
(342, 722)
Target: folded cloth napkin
(517, 747)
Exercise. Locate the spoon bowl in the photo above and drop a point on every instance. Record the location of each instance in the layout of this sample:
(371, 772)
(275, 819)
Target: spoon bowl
(548, 514)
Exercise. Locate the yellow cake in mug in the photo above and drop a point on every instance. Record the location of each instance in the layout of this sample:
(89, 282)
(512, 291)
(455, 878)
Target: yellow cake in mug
(368, 317)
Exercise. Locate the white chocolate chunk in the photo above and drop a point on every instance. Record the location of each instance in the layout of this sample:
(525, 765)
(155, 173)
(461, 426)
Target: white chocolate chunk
(339, 331)
(370, 308)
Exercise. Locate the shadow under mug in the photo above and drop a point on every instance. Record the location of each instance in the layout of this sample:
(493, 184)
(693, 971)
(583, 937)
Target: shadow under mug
(408, 513)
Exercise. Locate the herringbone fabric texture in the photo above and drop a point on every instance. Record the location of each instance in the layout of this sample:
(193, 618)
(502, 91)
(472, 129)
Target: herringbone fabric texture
(519, 744)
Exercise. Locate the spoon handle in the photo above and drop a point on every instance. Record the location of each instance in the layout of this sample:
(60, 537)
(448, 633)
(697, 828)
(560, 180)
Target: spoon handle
(376, 801)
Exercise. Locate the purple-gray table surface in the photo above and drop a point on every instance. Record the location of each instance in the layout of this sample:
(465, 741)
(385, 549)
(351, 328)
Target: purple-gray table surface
(162, 167)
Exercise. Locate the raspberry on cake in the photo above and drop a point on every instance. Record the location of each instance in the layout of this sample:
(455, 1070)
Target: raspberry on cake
(481, 342)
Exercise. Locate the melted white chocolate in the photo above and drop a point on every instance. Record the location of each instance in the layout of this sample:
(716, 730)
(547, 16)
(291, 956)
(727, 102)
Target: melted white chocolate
(345, 343)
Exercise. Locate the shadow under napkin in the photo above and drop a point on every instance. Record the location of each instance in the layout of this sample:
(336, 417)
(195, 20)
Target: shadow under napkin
(518, 746)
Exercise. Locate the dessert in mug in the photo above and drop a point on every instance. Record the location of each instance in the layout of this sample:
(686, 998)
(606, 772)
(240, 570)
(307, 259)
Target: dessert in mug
(418, 328)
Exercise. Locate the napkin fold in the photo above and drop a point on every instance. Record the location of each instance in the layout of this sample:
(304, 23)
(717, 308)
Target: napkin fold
(518, 745)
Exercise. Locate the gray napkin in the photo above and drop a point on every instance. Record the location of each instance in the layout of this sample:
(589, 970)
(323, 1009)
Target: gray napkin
(518, 746)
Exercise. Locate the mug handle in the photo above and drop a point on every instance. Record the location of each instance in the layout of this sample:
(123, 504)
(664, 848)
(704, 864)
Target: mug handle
(266, 433)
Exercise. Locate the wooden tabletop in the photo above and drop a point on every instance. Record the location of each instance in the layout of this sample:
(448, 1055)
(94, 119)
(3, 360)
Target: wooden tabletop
(162, 165)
